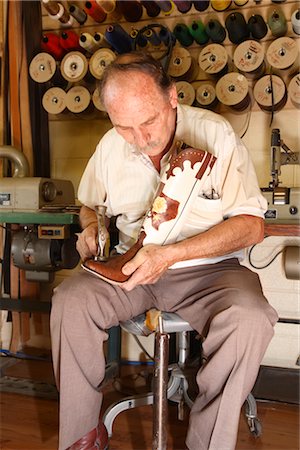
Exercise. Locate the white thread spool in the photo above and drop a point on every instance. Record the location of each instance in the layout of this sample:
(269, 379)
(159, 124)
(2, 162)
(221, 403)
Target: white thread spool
(185, 93)
(100, 60)
(295, 19)
(249, 59)
(54, 100)
(213, 60)
(182, 65)
(89, 43)
(282, 54)
(294, 90)
(206, 96)
(233, 90)
(270, 93)
(78, 99)
(74, 66)
(42, 67)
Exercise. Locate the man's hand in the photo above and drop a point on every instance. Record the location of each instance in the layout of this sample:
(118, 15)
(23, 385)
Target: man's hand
(147, 266)
(87, 242)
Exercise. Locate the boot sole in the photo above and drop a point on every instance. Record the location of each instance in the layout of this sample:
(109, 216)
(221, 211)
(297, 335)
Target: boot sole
(98, 275)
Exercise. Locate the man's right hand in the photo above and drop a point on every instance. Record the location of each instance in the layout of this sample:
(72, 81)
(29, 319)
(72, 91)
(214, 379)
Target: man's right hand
(87, 242)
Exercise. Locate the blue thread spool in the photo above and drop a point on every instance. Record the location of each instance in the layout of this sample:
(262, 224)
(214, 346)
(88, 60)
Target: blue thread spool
(201, 5)
(118, 38)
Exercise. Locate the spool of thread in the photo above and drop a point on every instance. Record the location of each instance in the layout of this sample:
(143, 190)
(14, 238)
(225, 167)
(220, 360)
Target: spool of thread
(95, 11)
(295, 19)
(183, 35)
(79, 14)
(152, 8)
(78, 99)
(233, 90)
(61, 14)
(97, 101)
(69, 40)
(197, 30)
(213, 60)
(206, 96)
(182, 65)
(74, 67)
(270, 93)
(43, 68)
(237, 28)
(101, 59)
(54, 100)
(88, 42)
(166, 6)
(277, 23)
(249, 59)
(112, 9)
(240, 2)
(201, 5)
(131, 10)
(152, 37)
(100, 39)
(294, 90)
(51, 6)
(139, 40)
(292, 262)
(185, 93)
(257, 26)
(50, 43)
(215, 31)
(166, 36)
(118, 38)
(183, 6)
(220, 5)
(283, 54)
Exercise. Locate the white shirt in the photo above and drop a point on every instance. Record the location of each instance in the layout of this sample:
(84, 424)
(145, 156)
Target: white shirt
(125, 180)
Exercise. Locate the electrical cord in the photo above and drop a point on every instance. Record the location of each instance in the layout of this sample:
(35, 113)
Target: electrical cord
(266, 265)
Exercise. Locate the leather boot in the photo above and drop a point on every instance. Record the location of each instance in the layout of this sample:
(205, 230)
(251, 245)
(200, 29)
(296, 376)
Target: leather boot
(96, 439)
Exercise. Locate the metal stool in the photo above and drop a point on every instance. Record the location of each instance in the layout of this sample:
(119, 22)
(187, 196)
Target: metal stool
(170, 382)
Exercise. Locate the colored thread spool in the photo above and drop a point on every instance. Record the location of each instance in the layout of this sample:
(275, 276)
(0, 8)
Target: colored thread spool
(101, 59)
(183, 6)
(215, 31)
(295, 19)
(257, 26)
(240, 2)
(201, 5)
(183, 35)
(277, 23)
(88, 42)
(131, 10)
(69, 40)
(118, 38)
(197, 30)
(152, 37)
(206, 96)
(95, 11)
(52, 7)
(74, 67)
(213, 60)
(97, 101)
(237, 28)
(78, 99)
(166, 6)
(54, 100)
(112, 9)
(233, 90)
(50, 43)
(185, 93)
(249, 59)
(220, 5)
(282, 53)
(166, 36)
(43, 68)
(182, 65)
(152, 8)
(294, 90)
(79, 14)
(139, 40)
(270, 93)
(61, 15)
(100, 39)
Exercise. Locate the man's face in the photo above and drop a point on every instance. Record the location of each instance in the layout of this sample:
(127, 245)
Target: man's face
(140, 112)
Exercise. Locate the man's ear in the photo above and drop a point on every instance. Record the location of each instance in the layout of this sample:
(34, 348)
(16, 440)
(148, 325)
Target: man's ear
(173, 96)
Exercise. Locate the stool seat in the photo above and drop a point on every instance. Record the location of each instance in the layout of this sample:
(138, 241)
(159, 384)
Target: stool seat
(171, 322)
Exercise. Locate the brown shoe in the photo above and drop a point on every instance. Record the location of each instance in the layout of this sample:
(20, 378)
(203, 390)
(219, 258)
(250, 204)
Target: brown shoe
(96, 439)
(111, 270)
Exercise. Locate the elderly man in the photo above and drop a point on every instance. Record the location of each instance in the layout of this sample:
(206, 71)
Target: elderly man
(197, 274)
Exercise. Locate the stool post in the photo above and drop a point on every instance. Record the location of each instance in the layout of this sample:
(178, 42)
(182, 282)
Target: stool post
(160, 406)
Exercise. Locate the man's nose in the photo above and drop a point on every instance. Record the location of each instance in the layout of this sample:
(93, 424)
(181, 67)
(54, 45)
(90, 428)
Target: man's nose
(141, 137)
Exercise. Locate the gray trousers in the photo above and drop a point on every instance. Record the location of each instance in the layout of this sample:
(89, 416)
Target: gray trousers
(222, 301)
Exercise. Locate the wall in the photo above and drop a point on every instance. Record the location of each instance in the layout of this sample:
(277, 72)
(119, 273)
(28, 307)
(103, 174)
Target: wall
(73, 140)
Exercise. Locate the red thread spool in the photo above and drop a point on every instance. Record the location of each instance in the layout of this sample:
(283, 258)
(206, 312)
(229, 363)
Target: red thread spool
(51, 44)
(69, 40)
(95, 11)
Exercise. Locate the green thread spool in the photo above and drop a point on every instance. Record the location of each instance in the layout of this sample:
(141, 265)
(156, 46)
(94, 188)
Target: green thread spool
(183, 35)
(277, 23)
(197, 30)
(215, 31)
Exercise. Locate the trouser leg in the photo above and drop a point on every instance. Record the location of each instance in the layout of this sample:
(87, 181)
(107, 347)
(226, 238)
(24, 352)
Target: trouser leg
(83, 308)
